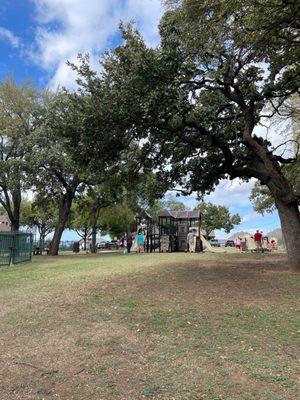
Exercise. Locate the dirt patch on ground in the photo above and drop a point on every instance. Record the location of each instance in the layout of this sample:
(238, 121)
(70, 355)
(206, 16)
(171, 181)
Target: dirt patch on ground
(208, 283)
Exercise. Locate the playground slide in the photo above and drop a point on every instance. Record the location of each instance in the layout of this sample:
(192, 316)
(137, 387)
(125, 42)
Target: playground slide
(208, 247)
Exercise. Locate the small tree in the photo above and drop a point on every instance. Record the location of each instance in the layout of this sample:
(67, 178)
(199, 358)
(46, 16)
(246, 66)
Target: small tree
(91, 206)
(42, 216)
(217, 217)
(261, 199)
(80, 222)
(164, 204)
(117, 220)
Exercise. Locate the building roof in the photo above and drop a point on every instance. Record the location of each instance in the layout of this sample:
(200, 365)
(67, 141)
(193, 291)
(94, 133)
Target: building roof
(5, 225)
(144, 214)
(180, 214)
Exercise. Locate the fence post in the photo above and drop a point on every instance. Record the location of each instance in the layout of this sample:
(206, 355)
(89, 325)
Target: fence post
(31, 243)
(12, 249)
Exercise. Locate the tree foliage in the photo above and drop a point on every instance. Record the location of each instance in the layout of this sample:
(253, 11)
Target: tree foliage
(217, 217)
(116, 221)
(196, 99)
(75, 149)
(261, 197)
(87, 213)
(21, 110)
(167, 203)
(42, 216)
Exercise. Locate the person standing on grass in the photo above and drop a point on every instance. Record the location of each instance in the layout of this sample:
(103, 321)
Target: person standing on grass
(129, 241)
(238, 244)
(258, 240)
(140, 241)
(262, 239)
(191, 241)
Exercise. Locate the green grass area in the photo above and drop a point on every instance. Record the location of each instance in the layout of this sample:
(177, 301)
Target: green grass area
(161, 326)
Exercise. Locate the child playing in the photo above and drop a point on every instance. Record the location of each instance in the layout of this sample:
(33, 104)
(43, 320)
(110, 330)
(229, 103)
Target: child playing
(140, 241)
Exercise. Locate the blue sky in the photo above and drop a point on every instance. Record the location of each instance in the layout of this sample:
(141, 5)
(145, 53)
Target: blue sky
(38, 36)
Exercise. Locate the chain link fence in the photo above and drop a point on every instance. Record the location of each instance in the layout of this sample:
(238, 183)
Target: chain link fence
(15, 247)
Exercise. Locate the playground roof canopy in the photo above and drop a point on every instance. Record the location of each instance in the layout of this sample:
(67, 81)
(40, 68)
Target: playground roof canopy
(143, 214)
(180, 214)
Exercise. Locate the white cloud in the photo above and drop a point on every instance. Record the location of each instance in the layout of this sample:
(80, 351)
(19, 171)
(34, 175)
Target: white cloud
(278, 131)
(8, 36)
(231, 193)
(249, 217)
(68, 27)
(147, 14)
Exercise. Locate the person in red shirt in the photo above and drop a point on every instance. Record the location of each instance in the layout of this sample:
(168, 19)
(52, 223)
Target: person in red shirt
(258, 240)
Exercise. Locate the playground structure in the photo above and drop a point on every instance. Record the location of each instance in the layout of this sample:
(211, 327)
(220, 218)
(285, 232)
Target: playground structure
(208, 247)
(170, 233)
(144, 224)
(174, 227)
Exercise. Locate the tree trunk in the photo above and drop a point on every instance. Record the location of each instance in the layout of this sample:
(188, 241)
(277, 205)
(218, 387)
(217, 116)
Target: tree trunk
(288, 210)
(290, 224)
(16, 199)
(94, 239)
(269, 172)
(64, 213)
(13, 207)
(85, 237)
(15, 224)
(96, 213)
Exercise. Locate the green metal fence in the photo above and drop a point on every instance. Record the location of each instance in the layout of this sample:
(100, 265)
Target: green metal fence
(15, 247)
(6, 247)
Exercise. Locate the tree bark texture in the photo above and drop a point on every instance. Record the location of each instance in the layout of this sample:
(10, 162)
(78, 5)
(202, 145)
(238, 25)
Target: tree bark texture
(64, 213)
(290, 224)
(94, 239)
(268, 171)
(288, 210)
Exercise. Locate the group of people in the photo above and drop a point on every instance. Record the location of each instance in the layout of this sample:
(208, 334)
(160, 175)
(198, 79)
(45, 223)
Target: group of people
(260, 243)
(129, 241)
(241, 244)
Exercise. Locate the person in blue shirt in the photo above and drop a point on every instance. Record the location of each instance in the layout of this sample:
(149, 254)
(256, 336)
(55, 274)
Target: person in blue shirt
(140, 241)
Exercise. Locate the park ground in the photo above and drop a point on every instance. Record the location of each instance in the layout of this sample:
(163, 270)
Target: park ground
(161, 326)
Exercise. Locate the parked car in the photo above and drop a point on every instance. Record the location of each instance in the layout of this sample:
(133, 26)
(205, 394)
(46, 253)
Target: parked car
(102, 245)
(113, 245)
(215, 243)
(229, 243)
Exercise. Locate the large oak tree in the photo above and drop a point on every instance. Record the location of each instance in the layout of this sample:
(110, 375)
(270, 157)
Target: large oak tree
(196, 100)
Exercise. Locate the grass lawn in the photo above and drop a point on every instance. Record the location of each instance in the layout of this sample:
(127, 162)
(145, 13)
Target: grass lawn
(162, 326)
